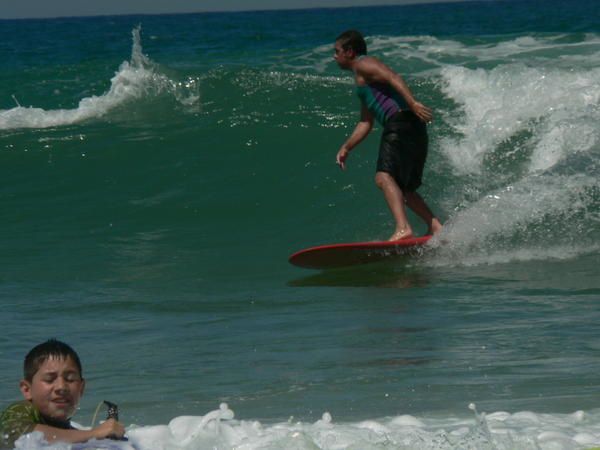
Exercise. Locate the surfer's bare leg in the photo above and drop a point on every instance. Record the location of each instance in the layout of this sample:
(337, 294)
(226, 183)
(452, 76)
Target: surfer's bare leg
(418, 205)
(395, 200)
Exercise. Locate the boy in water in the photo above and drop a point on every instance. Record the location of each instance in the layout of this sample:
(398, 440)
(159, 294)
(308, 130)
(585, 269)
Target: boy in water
(403, 150)
(52, 387)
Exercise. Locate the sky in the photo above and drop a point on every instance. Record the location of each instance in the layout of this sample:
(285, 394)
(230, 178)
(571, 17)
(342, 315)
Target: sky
(14, 9)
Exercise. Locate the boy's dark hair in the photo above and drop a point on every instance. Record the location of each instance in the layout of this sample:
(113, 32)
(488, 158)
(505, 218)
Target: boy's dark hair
(354, 40)
(40, 353)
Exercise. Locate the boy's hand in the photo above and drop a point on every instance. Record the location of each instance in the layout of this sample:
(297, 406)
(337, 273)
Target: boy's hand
(341, 156)
(422, 112)
(110, 429)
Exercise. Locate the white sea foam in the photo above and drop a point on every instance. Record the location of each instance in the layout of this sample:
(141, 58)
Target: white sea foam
(553, 49)
(525, 205)
(219, 430)
(136, 79)
(556, 108)
(525, 147)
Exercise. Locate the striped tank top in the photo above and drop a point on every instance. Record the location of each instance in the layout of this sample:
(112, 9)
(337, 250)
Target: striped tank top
(381, 100)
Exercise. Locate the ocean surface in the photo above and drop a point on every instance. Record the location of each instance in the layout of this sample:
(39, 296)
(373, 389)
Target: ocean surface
(157, 171)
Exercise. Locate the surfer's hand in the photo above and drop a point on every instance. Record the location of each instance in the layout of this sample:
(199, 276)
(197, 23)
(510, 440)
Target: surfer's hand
(110, 429)
(341, 156)
(422, 112)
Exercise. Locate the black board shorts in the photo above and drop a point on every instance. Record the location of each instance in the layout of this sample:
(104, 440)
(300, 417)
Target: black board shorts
(403, 150)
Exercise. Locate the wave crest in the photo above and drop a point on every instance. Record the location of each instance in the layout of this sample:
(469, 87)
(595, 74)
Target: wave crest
(135, 79)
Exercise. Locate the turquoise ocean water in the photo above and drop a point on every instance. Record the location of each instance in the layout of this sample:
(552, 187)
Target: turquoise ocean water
(157, 171)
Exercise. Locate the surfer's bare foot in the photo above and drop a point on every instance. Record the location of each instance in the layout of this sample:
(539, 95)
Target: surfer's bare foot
(401, 234)
(435, 227)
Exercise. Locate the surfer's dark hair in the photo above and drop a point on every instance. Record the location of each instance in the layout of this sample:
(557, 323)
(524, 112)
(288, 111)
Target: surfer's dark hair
(354, 40)
(52, 348)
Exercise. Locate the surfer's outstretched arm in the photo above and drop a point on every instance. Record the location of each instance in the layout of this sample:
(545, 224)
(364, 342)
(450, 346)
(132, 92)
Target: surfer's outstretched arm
(362, 129)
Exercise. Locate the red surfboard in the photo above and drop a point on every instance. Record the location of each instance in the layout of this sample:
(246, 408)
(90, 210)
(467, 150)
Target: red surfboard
(341, 255)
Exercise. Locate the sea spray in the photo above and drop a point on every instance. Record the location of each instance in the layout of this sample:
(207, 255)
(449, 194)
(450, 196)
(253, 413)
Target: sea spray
(136, 79)
(523, 145)
(555, 108)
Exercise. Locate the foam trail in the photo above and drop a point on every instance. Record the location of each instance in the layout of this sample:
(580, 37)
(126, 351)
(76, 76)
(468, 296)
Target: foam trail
(499, 431)
(134, 80)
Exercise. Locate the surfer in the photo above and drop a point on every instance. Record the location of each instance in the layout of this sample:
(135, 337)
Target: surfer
(403, 149)
(52, 387)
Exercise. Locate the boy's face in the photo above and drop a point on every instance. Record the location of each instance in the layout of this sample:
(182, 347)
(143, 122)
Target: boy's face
(343, 57)
(55, 389)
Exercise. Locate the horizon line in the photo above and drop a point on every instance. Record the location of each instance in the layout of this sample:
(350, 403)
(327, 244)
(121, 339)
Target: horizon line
(233, 11)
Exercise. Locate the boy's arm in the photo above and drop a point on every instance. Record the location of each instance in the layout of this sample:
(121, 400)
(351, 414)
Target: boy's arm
(109, 429)
(362, 129)
(372, 69)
